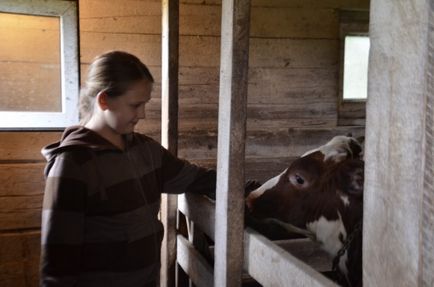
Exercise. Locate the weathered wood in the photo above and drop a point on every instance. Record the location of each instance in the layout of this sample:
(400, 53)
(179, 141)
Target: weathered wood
(270, 265)
(21, 179)
(427, 223)
(396, 152)
(138, 17)
(202, 51)
(169, 132)
(146, 47)
(200, 210)
(271, 21)
(25, 146)
(231, 142)
(307, 251)
(19, 254)
(27, 218)
(199, 271)
(264, 144)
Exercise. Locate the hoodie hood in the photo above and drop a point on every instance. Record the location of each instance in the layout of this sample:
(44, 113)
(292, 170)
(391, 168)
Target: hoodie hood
(73, 137)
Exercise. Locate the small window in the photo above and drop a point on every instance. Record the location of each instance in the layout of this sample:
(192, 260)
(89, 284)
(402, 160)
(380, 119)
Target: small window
(356, 56)
(353, 72)
(39, 81)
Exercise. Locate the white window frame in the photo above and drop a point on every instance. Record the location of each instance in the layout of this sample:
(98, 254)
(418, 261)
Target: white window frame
(67, 11)
(351, 112)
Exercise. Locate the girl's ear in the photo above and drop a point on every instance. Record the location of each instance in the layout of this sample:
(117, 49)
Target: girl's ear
(102, 100)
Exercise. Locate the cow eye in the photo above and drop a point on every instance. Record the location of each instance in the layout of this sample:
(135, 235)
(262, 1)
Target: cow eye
(299, 179)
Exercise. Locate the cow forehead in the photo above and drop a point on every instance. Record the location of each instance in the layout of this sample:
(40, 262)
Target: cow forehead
(269, 184)
(336, 150)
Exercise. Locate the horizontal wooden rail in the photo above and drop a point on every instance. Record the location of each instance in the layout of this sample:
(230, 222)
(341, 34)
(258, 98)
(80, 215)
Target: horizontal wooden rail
(197, 268)
(200, 210)
(271, 263)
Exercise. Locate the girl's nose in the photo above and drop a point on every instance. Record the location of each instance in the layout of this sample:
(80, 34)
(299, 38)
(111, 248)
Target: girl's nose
(141, 114)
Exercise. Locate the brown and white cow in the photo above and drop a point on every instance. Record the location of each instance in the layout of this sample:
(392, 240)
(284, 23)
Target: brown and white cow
(321, 193)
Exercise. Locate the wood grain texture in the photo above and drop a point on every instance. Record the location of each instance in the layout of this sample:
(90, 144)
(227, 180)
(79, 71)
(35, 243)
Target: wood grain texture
(19, 264)
(25, 146)
(395, 123)
(197, 268)
(232, 116)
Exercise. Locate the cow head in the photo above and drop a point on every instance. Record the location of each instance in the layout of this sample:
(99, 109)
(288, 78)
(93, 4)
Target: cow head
(322, 192)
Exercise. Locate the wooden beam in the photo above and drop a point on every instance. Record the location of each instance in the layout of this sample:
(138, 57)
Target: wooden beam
(199, 271)
(169, 131)
(399, 194)
(270, 265)
(229, 225)
(200, 210)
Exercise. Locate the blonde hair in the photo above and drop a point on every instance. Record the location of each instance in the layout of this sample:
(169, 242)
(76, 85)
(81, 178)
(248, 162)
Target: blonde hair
(112, 72)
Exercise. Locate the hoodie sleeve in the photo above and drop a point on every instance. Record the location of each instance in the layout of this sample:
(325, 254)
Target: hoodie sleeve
(181, 176)
(62, 223)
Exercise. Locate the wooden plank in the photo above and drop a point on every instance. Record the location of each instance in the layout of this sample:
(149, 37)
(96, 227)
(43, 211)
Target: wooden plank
(203, 51)
(26, 216)
(231, 142)
(270, 265)
(299, 87)
(293, 53)
(427, 222)
(21, 195)
(353, 4)
(395, 157)
(197, 268)
(25, 146)
(264, 144)
(169, 132)
(204, 20)
(19, 253)
(200, 210)
(118, 16)
(294, 23)
(146, 47)
(272, 22)
(307, 251)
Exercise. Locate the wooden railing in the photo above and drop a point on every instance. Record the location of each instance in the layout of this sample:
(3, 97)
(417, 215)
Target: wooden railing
(271, 263)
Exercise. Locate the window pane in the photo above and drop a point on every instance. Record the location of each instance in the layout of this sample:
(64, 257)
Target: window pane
(30, 75)
(356, 67)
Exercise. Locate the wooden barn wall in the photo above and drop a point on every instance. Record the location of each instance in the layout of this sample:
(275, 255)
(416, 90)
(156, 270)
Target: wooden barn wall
(292, 98)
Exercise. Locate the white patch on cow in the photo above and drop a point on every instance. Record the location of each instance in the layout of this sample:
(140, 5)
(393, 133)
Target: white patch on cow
(327, 233)
(345, 200)
(336, 149)
(269, 184)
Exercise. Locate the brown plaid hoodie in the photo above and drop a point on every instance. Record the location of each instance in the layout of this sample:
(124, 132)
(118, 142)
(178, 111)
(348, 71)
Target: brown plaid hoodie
(99, 218)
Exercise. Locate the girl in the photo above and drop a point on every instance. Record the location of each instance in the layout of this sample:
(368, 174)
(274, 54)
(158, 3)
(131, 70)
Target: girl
(103, 185)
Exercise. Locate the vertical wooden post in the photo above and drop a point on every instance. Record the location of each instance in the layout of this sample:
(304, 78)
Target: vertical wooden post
(426, 277)
(399, 194)
(169, 131)
(229, 224)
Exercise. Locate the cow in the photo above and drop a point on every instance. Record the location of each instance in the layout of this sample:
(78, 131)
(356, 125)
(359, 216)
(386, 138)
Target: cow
(320, 195)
